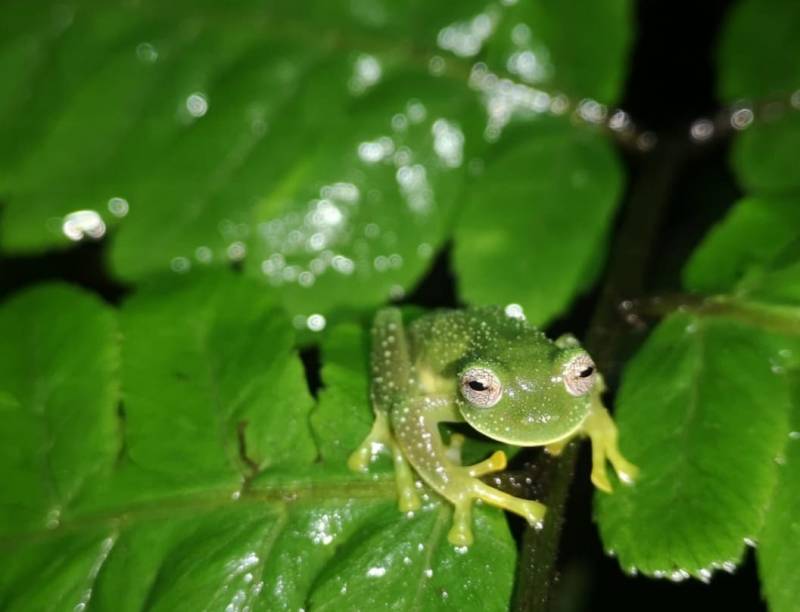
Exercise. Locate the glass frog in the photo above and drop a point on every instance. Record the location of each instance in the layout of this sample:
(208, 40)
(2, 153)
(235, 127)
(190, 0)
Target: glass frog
(503, 377)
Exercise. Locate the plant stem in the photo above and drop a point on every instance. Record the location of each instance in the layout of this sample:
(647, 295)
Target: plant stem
(779, 318)
(625, 278)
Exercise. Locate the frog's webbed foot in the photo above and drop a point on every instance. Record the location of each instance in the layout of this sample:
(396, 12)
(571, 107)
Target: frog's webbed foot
(461, 531)
(602, 431)
(380, 437)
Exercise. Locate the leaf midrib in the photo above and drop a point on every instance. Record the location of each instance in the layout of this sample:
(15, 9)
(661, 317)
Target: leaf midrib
(287, 494)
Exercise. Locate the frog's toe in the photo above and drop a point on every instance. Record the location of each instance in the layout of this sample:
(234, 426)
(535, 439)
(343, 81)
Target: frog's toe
(600, 480)
(627, 472)
(460, 534)
(408, 500)
(533, 512)
(360, 459)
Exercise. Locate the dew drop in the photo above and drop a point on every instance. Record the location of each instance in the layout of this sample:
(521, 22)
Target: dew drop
(146, 53)
(316, 322)
(83, 224)
(118, 207)
(376, 572)
(197, 104)
(701, 130)
(515, 311)
(181, 265)
(741, 118)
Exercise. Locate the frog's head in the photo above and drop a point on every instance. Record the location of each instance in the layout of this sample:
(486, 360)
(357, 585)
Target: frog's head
(517, 386)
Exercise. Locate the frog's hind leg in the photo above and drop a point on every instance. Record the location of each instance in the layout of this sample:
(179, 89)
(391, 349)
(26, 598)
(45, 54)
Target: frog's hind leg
(416, 423)
(461, 531)
(391, 373)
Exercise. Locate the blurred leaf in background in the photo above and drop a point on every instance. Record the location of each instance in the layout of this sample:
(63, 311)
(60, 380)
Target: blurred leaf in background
(332, 146)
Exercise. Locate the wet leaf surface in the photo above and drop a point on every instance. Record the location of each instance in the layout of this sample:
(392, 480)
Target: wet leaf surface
(777, 547)
(550, 181)
(329, 145)
(188, 477)
(703, 411)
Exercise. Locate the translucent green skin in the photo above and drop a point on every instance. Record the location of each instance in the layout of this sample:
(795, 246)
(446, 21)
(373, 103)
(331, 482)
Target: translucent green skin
(535, 408)
(417, 376)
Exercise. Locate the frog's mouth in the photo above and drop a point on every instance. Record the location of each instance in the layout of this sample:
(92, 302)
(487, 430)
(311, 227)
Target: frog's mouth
(521, 439)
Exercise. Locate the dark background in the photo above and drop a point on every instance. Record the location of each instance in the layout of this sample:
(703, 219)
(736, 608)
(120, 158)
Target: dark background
(671, 83)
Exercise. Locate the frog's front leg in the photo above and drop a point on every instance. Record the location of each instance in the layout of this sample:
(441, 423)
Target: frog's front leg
(496, 463)
(602, 432)
(415, 422)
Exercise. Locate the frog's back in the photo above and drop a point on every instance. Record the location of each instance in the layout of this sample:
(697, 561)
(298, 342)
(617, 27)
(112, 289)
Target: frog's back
(442, 338)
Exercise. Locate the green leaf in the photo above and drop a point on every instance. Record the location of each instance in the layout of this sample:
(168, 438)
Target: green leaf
(203, 489)
(755, 71)
(703, 411)
(749, 241)
(540, 212)
(765, 155)
(224, 381)
(59, 385)
(343, 416)
(329, 144)
(779, 543)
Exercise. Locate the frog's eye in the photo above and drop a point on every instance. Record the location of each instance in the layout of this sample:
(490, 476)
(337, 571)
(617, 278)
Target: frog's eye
(480, 387)
(579, 375)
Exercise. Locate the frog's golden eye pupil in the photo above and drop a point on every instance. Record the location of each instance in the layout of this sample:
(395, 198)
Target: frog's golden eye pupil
(477, 385)
(587, 372)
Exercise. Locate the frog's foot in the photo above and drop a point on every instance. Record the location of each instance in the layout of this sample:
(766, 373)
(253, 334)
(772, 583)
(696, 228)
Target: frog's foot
(532, 511)
(626, 471)
(379, 437)
(603, 433)
(461, 532)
